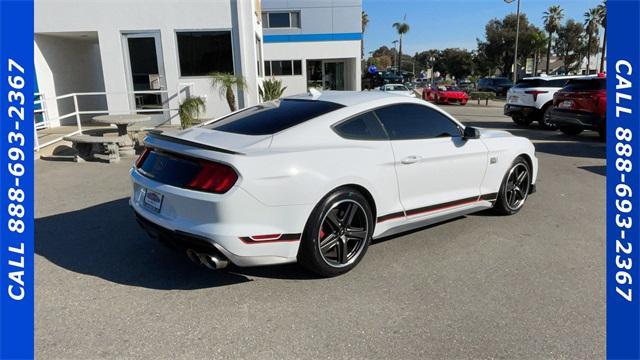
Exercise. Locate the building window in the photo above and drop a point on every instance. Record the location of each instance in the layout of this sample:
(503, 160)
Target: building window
(279, 20)
(283, 67)
(204, 52)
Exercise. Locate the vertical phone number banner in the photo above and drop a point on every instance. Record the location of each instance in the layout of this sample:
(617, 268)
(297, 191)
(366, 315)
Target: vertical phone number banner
(623, 180)
(16, 179)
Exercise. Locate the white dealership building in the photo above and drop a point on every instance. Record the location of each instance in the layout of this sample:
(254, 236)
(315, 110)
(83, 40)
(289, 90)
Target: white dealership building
(146, 56)
(313, 43)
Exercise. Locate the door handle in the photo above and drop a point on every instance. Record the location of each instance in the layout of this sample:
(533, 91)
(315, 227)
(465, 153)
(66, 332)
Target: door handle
(411, 159)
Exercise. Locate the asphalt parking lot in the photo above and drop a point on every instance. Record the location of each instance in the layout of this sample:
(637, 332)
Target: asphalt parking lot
(528, 286)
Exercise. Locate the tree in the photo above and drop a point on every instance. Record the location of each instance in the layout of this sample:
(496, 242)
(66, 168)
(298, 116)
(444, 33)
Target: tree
(190, 109)
(423, 58)
(602, 9)
(496, 51)
(455, 62)
(569, 45)
(271, 89)
(225, 84)
(552, 22)
(591, 23)
(402, 28)
(538, 43)
(382, 57)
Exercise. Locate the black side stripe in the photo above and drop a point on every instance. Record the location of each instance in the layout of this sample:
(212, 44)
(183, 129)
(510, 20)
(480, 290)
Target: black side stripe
(391, 216)
(430, 208)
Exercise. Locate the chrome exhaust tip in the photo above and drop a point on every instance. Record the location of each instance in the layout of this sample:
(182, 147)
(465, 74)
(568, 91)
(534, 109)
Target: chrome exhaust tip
(213, 262)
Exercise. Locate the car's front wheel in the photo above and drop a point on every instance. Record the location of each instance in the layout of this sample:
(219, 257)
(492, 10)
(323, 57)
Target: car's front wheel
(337, 233)
(515, 188)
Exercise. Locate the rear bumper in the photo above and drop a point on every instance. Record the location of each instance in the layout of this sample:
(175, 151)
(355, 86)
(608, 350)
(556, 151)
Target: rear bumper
(521, 110)
(585, 120)
(229, 224)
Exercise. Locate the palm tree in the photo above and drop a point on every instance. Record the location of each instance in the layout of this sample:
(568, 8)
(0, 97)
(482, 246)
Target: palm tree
(602, 9)
(538, 45)
(190, 109)
(365, 22)
(402, 28)
(591, 23)
(225, 84)
(552, 18)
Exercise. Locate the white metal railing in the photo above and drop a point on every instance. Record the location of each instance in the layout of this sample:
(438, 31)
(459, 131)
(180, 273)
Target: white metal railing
(47, 121)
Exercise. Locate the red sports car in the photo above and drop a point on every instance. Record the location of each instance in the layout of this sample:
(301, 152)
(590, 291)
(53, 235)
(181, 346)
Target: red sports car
(445, 94)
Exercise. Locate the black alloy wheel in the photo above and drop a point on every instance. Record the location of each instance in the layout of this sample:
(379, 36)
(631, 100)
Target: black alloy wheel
(337, 234)
(514, 189)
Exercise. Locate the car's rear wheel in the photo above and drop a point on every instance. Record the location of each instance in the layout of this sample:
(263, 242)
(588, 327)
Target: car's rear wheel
(514, 189)
(337, 233)
(570, 130)
(545, 119)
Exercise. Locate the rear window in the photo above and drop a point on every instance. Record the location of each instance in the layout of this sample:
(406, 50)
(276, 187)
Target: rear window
(272, 117)
(529, 83)
(585, 85)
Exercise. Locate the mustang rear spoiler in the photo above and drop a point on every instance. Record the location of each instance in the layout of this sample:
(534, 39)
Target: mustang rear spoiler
(158, 134)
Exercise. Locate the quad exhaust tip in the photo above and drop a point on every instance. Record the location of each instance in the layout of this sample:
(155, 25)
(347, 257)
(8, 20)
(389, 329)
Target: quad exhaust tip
(212, 261)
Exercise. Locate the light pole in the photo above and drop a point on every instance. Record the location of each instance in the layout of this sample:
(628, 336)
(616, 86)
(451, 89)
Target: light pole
(515, 54)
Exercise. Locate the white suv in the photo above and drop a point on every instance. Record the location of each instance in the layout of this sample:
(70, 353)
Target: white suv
(531, 99)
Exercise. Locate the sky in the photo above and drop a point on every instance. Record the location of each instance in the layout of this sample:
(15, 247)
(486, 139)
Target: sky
(440, 24)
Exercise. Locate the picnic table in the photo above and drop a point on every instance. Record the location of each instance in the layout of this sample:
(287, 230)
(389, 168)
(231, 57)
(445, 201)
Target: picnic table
(122, 122)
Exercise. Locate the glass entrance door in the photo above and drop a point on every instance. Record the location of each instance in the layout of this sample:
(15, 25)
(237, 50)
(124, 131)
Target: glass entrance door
(333, 75)
(145, 70)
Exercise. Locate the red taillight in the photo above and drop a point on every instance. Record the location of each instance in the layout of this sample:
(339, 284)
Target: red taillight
(142, 157)
(535, 93)
(213, 177)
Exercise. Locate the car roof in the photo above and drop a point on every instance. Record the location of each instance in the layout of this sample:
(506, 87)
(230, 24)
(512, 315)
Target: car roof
(346, 98)
(559, 77)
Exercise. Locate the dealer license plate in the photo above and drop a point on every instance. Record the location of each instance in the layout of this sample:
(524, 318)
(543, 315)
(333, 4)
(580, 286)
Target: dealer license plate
(153, 200)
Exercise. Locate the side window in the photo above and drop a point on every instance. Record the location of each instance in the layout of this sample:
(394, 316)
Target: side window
(413, 121)
(362, 127)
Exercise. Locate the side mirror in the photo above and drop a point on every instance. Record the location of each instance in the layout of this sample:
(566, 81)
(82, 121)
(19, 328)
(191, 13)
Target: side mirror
(471, 133)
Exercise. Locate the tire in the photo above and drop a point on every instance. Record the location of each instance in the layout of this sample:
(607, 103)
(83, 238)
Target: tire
(545, 119)
(602, 131)
(521, 120)
(329, 227)
(570, 130)
(505, 203)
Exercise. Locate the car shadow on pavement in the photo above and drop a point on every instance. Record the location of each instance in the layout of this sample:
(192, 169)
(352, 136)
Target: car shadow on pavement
(600, 170)
(105, 241)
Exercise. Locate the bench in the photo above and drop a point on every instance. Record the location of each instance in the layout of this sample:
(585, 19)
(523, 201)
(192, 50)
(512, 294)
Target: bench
(482, 95)
(88, 146)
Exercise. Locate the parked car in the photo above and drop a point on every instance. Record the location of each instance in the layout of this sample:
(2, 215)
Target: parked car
(466, 86)
(497, 85)
(445, 94)
(307, 178)
(532, 99)
(397, 89)
(581, 105)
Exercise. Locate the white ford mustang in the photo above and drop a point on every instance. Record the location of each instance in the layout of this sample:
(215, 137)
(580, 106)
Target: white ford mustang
(313, 178)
